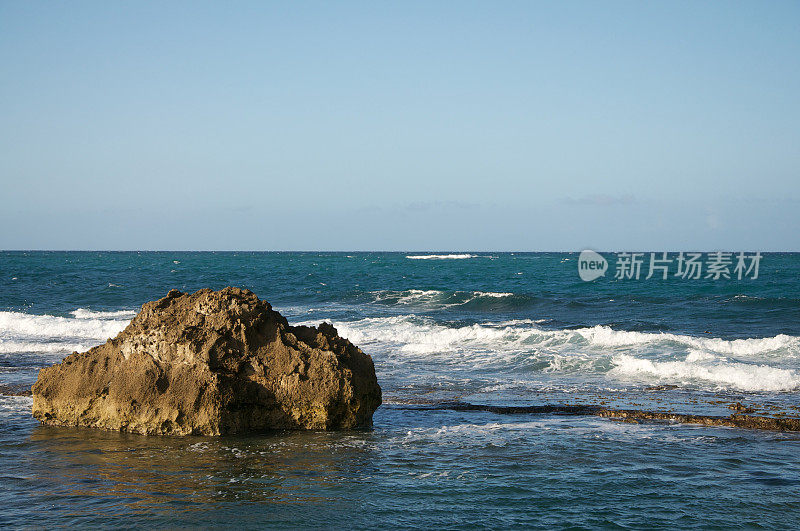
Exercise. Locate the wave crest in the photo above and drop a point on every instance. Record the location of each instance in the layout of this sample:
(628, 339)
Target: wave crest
(708, 369)
(83, 313)
(524, 347)
(441, 256)
(435, 299)
(21, 332)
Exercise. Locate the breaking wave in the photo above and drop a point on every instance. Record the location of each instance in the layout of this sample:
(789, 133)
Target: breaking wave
(82, 313)
(713, 370)
(21, 332)
(440, 256)
(523, 346)
(436, 299)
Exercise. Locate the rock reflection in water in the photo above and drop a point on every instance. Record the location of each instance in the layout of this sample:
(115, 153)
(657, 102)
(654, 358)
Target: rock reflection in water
(127, 474)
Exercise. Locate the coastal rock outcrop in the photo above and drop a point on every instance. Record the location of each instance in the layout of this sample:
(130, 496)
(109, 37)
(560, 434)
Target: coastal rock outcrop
(211, 363)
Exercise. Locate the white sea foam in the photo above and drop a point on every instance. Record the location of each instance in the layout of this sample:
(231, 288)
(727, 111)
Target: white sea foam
(705, 368)
(83, 313)
(15, 405)
(491, 434)
(416, 336)
(433, 298)
(755, 364)
(519, 322)
(21, 332)
(409, 296)
(59, 347)
(782, 344)
(440, 256)
(16, 324)
(483, 428)
(423, 335)
(504, 433)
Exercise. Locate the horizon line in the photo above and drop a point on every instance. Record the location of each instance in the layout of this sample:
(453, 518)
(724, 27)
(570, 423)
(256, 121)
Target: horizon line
(449, 251)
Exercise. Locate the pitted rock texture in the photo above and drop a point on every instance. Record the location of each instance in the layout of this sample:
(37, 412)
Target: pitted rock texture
(211, 363)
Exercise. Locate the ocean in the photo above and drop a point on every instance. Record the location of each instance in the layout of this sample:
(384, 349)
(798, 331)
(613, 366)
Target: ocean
(519, 329)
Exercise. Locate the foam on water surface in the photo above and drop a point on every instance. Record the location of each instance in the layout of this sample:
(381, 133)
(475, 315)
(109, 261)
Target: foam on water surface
(441, 256)
(757, 364)
(49, 334)
(17, 324)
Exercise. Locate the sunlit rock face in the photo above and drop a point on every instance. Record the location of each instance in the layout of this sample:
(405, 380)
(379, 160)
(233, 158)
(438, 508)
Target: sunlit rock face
(211, 363)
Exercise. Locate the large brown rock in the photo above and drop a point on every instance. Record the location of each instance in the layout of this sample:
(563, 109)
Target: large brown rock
(210, 363)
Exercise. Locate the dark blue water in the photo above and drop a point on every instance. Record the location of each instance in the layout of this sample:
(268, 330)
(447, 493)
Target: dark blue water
(491, 328)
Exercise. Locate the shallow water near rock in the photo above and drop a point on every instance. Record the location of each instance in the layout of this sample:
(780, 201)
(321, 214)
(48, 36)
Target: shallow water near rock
(413, 469)
(516, 329)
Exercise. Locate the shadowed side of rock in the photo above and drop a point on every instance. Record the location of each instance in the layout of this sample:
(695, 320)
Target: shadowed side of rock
(211, 363)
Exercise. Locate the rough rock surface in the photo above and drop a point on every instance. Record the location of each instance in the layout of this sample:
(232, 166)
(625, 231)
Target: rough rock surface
(210, 363)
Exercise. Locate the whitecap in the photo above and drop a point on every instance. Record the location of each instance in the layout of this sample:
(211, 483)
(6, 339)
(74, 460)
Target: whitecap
(15, 405)
(434, 298)
(21, 332)
(524, 347)
(17, 324)
(33, 347)
(707, 369)
(441, 256)
(83, 313)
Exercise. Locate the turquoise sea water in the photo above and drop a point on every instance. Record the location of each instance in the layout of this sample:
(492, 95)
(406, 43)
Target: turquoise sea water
(483, 328)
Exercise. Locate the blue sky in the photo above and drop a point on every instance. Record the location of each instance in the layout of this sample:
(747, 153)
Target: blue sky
(400, 125)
